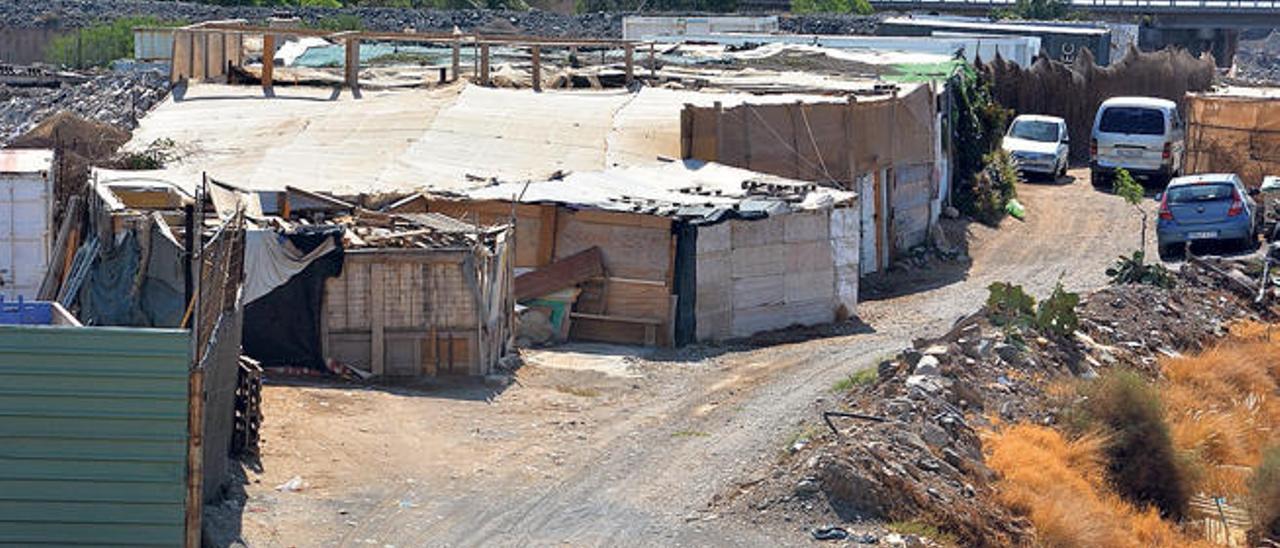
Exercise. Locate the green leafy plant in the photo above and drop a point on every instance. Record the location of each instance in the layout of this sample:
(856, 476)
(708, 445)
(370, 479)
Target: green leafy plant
(1134, 270)
(1057, 314)
(976, 126)
(1126, 187)
(1009, 305)
(99, 44)
(860, 7)
(1036, 9)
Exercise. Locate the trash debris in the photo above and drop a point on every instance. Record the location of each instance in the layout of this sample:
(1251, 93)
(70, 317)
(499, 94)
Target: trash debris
(294, 484)
(830, 533)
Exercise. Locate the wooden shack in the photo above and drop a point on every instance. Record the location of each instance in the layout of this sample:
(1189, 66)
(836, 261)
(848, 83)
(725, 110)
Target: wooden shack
(408, 312)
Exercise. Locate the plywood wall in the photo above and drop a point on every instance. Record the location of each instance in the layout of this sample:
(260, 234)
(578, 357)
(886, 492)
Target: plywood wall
(754, 276)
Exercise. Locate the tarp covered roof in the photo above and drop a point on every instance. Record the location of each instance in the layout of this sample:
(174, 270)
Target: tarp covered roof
(689, 189)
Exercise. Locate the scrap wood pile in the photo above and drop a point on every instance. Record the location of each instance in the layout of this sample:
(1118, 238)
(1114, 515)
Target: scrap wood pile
(371, 229)
(903, 444)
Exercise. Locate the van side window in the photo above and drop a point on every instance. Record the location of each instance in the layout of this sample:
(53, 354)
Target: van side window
(1177, 119)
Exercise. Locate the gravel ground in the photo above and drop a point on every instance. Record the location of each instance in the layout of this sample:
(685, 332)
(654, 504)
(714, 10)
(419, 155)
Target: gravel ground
(569, 455)
(79, 13)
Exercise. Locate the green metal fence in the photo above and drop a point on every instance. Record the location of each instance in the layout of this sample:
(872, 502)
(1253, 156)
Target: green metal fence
(93, 435)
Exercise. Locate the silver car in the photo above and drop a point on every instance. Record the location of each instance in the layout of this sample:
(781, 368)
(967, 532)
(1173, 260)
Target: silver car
(1038, 144)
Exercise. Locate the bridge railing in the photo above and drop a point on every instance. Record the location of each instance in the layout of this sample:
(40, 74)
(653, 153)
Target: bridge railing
(1187, 5)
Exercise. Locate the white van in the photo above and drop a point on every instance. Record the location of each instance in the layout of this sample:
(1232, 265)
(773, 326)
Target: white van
(1143, 135)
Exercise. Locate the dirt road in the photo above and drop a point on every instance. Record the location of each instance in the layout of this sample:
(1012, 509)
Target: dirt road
(606, 446)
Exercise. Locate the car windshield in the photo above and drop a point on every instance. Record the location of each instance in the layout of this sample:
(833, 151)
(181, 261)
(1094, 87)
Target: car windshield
(1132, 120)
(1031, 130)
(1193, 193)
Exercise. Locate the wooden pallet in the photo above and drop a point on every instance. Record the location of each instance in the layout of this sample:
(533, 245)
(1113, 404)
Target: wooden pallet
(248, 420)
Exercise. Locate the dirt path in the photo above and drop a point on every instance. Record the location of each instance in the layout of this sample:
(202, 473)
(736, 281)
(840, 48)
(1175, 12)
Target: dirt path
(605, 448)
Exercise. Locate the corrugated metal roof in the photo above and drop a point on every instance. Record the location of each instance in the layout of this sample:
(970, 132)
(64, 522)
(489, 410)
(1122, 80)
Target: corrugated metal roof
(93, 435)
(25, 160)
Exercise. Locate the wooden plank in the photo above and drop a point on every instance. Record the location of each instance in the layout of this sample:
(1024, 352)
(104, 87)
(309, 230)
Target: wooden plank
(536, 72)
(484, 64)
(547, 235)
(377, 344)
(629, 52)
(268, 62)
(622, 219)
(558, 275)
(195, 457)
(640, 301)
(456, 60)
(352, 65)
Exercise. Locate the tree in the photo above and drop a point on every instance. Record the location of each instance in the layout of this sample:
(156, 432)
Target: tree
(1132, 192)
(1036, 9)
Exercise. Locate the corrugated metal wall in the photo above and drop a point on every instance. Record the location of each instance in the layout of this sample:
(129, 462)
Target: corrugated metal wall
(93, 435)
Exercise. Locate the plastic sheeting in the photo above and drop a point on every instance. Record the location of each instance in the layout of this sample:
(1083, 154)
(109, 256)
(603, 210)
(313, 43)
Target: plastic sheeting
(121, 291)
(282, 327)
(271, 260)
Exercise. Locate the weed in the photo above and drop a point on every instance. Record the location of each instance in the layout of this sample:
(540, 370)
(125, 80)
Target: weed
(1264, 495)
(1057, 314)
(860, 7)
(806, 434)
(1008, 304)
(862, 377)
(689, 434)
(1142, 464)
(924, 530)
(1134, 270)
(1010, 307)
(580, 391)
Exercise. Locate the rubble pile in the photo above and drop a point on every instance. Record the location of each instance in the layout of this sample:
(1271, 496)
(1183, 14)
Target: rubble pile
(829, 23)
(905, 444)
(1258, 59)
(115, 98)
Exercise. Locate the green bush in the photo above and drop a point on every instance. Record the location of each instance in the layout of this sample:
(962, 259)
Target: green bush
(1142, 463)
(977, 124)
(100, 44)
(1264, 495)
(1057, 314)
(1036, 9)
(1010, 306)
(860, 7)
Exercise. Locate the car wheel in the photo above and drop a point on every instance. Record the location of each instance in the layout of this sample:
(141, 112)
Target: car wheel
(1165, 252)
(1099, 179)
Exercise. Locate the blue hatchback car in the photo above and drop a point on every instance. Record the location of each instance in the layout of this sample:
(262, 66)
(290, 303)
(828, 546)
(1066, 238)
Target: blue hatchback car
(1211, 206)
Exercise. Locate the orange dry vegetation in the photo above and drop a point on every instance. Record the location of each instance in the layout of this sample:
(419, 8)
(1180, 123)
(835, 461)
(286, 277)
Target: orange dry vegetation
(1222, 409)
(1060, 485)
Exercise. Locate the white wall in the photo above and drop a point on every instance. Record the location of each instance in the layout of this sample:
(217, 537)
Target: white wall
(753, 276)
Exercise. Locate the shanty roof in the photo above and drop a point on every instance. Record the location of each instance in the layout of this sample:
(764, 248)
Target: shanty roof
(411, 140)
(690, 189)
(18, 160)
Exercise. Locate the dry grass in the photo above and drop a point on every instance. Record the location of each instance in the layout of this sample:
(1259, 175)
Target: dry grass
(1060, 485)
(1264, 495)
(1222, 407)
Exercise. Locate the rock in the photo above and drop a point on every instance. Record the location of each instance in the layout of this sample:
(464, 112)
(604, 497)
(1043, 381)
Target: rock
(1011, 354)
(951, 212)
(911, 356)
(887, 369)
(934, 435)
(807, 488)
(927, 384)
(928, 365)
(936, 350)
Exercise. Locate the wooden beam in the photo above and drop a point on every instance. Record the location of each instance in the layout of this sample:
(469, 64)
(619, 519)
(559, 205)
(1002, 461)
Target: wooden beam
(548, 218)
(653, 62)
(630, 53)
(352, 66)
(536, 72)
(377, 334)
(484, 64)
(268, 62)
(457, 60)
(195, 454)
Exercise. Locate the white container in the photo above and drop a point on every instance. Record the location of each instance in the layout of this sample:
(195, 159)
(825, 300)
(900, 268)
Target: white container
(26, 219)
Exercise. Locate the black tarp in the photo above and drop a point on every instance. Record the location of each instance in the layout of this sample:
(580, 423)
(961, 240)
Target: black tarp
(282, 328)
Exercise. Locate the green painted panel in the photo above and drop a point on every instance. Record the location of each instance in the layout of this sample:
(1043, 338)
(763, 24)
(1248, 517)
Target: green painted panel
(93, 428)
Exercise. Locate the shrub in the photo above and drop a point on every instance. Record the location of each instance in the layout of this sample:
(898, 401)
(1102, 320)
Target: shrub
(1057, 314)
(1134, 270)
(1060, 484)
(860, 7)
(1264, 495)
(977, 124)
(861, 377)
(1036, 10)
(1008, 304)
(1141, 460)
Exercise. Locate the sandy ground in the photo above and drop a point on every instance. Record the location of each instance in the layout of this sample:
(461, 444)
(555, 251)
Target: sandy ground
(596, 445)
